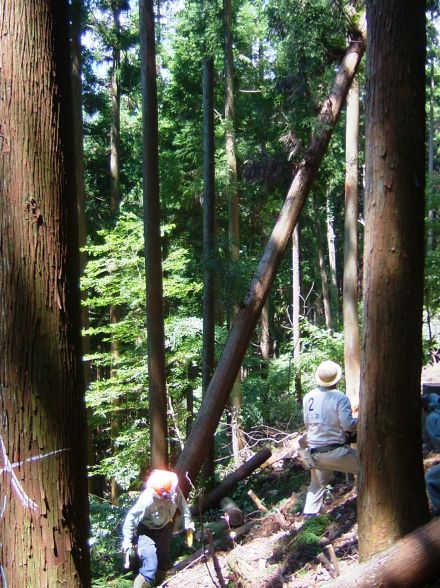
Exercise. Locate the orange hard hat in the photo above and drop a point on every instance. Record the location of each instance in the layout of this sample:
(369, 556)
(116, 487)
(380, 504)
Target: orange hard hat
(162, 482)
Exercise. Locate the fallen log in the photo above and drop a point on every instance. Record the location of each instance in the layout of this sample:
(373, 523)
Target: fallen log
(410, 562)
(257, 501)
(190, 561)
(214, 497)
(234, 514)
(322, 558)
(333, 558)
(288, 452)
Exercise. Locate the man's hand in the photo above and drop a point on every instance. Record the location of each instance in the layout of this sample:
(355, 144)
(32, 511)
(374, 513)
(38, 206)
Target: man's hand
(351, 436)
(127, 558)
(189, 537)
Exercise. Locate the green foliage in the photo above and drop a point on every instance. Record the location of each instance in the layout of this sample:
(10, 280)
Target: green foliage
(285, 54)
(105, 544)
(318, 345)
(308, 540)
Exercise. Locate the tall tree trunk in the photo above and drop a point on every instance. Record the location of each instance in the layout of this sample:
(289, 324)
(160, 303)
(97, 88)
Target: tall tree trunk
(331, 238)
(153, 254)
(115, 200)
(350, 284)
(431, 212)
(115, 130)
(209, 243)
(234, 215)
(227, 369)
(44, 511)
(76, 9)
(391, 505)
(265, 333)
(296, 305)
(322, 270)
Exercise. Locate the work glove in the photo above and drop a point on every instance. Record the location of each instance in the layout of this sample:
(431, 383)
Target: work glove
(190, 534)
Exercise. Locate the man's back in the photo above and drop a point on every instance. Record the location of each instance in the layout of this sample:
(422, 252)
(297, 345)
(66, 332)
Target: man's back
(327, 416)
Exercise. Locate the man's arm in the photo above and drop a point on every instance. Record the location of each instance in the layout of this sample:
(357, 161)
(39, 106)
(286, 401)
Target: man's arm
(182, 505)
(134, 516)
(347, 420)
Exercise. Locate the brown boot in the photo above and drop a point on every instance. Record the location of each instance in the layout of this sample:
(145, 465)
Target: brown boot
(141, 582)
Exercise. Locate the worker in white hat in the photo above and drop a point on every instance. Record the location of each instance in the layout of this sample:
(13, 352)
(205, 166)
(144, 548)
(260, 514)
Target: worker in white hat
(328, 418)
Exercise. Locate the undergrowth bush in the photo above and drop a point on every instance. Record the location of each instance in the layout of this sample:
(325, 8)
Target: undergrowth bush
(105, 542)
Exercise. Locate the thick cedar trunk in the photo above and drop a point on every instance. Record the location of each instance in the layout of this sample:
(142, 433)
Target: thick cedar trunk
(44, 512)
(224, 376)
(209, 243)
(153, 253)
(410, 563)
(233, 213)
(350, 288)
(391, 505)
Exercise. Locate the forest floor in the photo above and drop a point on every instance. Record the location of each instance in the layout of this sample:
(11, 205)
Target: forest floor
(279, 548)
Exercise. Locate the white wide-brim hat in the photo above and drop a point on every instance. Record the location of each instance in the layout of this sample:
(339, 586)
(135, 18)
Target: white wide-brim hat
(328, 373)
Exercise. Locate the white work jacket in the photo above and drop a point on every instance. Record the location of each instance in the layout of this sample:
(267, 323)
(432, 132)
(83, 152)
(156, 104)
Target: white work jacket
(327, 416)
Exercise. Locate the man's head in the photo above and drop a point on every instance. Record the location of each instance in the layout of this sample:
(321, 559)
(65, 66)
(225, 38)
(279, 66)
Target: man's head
(328, 374)
(162, 483)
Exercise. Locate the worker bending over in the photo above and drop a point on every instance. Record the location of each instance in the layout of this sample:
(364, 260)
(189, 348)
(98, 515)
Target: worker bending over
(148, 526)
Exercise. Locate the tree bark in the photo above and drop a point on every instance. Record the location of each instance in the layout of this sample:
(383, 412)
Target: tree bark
(328, 316)
(411, 562)
(431, 211)
(44, 510)
(232, 511)
(115, 128)
(265, 333)
(209, 244)
(115, 201)
(350, 282)
(76, 9)
(331, 238)
(296, 299)
(224, 376)
(234, 216)
(389, 505)
(153, 254)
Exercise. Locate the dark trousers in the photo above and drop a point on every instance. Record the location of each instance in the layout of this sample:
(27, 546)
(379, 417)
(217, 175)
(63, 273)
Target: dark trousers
(153, 550)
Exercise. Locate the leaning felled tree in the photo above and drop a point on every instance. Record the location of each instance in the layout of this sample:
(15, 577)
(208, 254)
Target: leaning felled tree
(44, 513)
